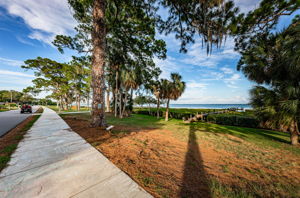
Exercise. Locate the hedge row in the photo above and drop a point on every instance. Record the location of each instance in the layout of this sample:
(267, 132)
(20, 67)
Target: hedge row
(233, 120)
(175, 115)
(223, 118)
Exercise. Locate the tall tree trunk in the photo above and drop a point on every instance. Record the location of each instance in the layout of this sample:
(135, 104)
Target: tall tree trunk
(116, 94)
(98, 63)
(59, 105)
(167, 110)
(120, 103)
(131, 101)
(108, 100)
(88, 101)
(78, 103)
(158, 104)
(125, 103)
(294, 132)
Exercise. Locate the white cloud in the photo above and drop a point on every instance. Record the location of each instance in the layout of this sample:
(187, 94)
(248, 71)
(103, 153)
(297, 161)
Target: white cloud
(43, 37)
(11, 62)
(193, 89)
(15, 80)
(198, 56)
(13, 73)
(24, 41)
(227, 70)
(46, 18)
(195, 85)
(231, 81)
(247, 5)
(167, 66)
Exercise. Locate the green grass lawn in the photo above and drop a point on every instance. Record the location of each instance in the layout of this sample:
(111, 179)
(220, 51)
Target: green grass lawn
(2, 110)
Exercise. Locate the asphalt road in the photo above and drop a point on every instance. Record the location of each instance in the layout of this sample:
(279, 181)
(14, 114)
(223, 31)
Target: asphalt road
(10, 119)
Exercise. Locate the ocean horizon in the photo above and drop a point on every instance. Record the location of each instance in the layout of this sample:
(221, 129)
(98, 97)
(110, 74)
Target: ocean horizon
(210, 106)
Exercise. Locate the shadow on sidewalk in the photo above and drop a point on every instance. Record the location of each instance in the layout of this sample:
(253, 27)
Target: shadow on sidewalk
(195, 183)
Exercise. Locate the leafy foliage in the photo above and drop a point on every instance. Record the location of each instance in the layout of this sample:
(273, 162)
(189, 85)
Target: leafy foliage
(67, 81)
(273, 60)
(211, 20)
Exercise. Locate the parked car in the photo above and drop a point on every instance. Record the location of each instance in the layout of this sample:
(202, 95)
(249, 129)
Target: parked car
(26, 109)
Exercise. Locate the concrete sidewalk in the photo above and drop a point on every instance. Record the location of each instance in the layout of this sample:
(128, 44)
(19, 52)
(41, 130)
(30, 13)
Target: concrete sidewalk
(54, 161)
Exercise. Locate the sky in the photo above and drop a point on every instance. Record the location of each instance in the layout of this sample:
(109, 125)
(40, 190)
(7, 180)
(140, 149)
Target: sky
(28, 27)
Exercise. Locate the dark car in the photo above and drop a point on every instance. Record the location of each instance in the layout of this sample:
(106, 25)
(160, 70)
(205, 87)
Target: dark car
(26, 109)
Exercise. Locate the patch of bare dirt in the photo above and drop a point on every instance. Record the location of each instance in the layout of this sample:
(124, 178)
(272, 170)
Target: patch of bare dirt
(168, 167)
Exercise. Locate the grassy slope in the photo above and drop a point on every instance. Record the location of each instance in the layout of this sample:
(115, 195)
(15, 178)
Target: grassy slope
(263, 138)
(259, 146)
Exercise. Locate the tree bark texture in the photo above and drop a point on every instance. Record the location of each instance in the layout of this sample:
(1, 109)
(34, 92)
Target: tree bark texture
(108, 100)
(98, 62)
(294, 132)
(116, 94)
(158, 104)
(167, 110)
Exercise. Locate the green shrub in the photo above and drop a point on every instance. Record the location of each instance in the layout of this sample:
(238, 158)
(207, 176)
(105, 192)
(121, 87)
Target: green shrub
(11, 105)
(3, 107)
(162, 113)
(232, 119)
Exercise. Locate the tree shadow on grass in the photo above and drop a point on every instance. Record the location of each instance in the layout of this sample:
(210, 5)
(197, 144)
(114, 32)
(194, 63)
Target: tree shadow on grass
(245, 133)
(195, 182)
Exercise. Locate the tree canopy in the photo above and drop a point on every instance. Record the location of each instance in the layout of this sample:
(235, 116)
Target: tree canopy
(273, 60)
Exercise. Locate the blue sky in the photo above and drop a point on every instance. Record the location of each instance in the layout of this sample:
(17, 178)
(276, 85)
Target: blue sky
(27, 28)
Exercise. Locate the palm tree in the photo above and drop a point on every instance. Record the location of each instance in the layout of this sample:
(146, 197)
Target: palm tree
(130, 82)
(156, 89)
(273, 60)
(172, 90)
(278, 109)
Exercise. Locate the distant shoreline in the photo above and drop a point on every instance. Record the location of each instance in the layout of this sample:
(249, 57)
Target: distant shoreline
(210, 106)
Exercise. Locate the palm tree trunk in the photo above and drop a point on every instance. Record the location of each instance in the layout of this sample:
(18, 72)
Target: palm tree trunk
(125, 103)
(61, 107)
(167, 110)
(120, 103)
(88, 101)
(158, 104)
(107, 100)
(116, 95)
(131, 100)
(78, 103)
(98, 62)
